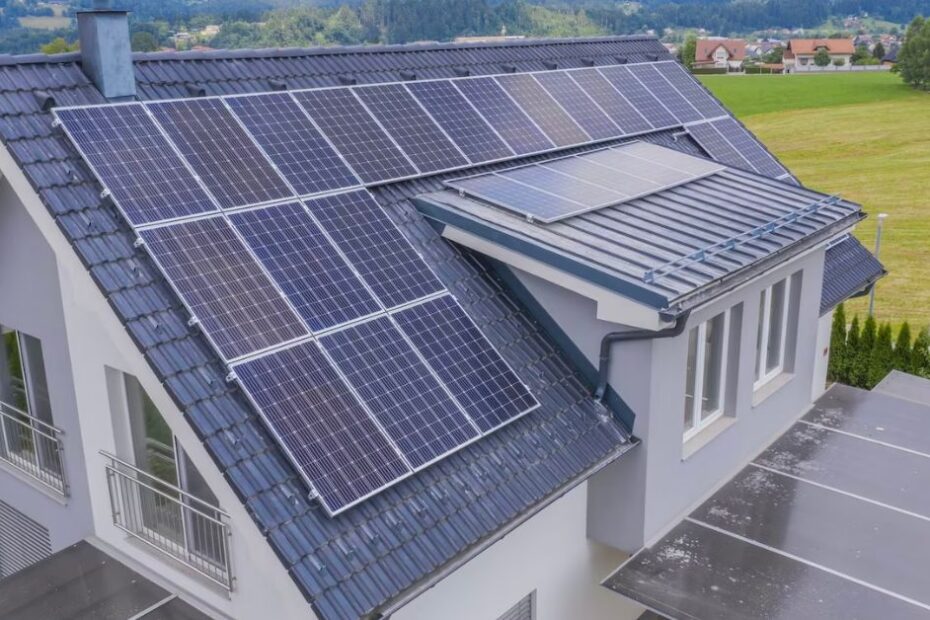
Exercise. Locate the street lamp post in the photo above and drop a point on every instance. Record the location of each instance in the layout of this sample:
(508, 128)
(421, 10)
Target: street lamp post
(878, 247)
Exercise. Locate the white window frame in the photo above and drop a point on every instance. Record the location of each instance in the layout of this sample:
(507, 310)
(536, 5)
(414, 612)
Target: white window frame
(703, 420)
(762, 346)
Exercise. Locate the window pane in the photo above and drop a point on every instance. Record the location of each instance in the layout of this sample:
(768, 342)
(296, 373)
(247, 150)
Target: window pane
(713, 365)
(759, 334)
(12, 380)
(152, 441)
(690, 380)
(773, 355)
(34, 364)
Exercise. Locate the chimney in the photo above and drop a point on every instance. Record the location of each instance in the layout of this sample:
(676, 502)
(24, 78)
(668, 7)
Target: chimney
(106, 55)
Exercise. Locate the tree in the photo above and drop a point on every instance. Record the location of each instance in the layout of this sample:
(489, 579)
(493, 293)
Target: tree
(853, 346)
(58, 46)
(920, 354)
(914, 56)
(902, 349)
(878, 52)
(882, 356)
(861, 53)
(775, 56)
(689, 51)
(836, 368)
(144, 42)
(863, 361)
(822, 58)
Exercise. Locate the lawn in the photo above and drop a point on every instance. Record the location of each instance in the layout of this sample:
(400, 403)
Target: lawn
(867, 137)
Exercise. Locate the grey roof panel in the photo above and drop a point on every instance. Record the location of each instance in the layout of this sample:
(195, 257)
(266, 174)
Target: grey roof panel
(849, 269)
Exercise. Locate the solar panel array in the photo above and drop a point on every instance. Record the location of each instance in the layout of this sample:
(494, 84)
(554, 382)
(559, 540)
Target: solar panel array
(361, 362)
(729, 142)
(557, 189)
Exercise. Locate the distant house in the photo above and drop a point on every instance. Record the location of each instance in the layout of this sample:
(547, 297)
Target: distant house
(720, 53)
(800, 52)
(890, 58)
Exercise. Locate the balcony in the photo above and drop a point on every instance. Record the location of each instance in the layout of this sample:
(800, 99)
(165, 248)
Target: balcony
(170, 520)
(32, 447)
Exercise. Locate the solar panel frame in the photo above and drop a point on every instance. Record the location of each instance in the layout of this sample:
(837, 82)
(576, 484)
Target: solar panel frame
(617, 107)
(545, 111)
(309, 270)
(142, 202)
(376, 463)
(247, 292)
(504, 115)
(639, 96)
(458, 351)
(668, 95)
(287, 135)
(228, 162)
(356, 134)
(461, 122)
(412, 128)
(402, 392)
(578, 104)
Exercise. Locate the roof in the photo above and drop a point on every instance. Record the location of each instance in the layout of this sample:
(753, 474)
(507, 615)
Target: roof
(618, 247)
(849, 270)
(831, 521)
(810, 46)
(736, 48)
(83, 581)
(387, 546)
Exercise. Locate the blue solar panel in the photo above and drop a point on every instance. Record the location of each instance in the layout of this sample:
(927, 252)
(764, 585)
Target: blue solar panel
(327, 433)
(280, 126)
(379, 252)
(399, 389)
(687, 85)
(355, 134)
(226, 289)
(504, 115)
(666, 93)
(316, 279)
(572, 188)
(415, 132)
(465, 126)
(749, 148)
(611, 101)
(577, 103)
(717, 147)
(477, 376)
(542, 108)
(517, 197)
(146, 178)
(223, 155)
(639, 96)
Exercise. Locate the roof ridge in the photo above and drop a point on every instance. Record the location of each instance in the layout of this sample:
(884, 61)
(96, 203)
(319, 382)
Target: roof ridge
(290, 52)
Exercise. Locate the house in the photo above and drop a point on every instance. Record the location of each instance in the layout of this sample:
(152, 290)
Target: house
(799, 54)
(890, 58)
(473, 324)
(720, 53)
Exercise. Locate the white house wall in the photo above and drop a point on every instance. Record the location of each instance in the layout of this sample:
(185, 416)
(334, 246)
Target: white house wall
(46, 292)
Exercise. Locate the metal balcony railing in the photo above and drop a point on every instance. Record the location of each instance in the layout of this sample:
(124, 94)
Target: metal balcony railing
(171, 520)
(33, 447)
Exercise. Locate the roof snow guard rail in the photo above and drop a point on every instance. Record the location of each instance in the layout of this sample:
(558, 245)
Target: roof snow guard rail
(731, 243)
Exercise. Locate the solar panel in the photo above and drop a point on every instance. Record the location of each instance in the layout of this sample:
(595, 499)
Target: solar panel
(717, 146)
(571, 188)
(548, 114)
(749, 148)
(477, 376)
(327, 433)
(580, 168)
(416, 133)
(504, 115)
(386, 261)
(460, 121)
(312, 274)
(146, 178)
(581, 107)
(666, 93)
(610, 100)
(639, 96)
(225, 288)
(355, 134)
(402, 393)
(686, 84)
(517, 197)
(220, 152)
(280, 126)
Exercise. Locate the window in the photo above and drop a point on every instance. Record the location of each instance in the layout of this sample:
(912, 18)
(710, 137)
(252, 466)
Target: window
(771, 336)
(22, 375)
(706, 373)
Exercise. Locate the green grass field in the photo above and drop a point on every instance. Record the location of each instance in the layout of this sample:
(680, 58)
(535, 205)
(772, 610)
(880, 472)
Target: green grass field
(865, 136)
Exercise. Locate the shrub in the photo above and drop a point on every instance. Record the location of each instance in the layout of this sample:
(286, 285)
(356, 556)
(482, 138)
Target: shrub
(839, 62)
(836, 368)
(920, 354)
(902, 349)
(881, 358)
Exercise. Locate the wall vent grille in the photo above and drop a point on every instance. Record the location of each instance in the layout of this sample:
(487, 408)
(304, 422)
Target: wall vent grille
(23, 542)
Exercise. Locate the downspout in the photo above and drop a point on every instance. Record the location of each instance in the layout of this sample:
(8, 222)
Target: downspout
(624, 336)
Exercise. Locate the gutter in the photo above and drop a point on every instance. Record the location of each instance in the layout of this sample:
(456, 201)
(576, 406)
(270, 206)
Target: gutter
(636, 334)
